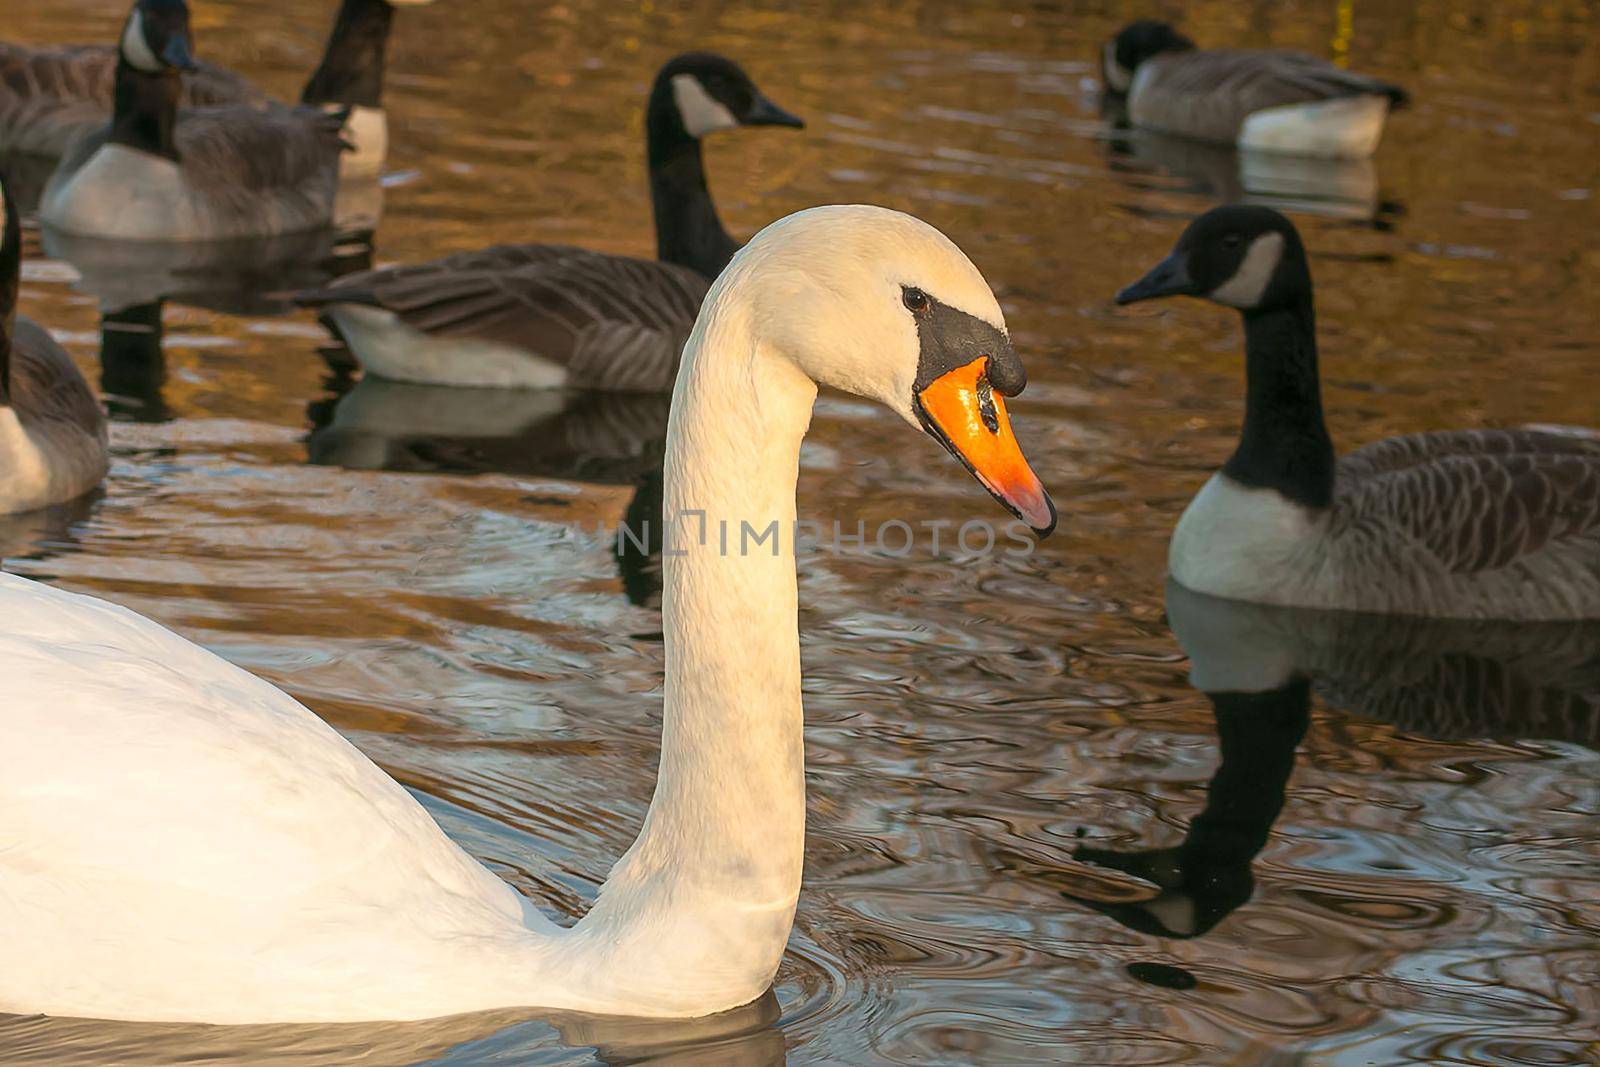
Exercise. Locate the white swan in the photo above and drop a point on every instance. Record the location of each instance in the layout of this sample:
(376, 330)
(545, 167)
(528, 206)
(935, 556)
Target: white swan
(179, 840)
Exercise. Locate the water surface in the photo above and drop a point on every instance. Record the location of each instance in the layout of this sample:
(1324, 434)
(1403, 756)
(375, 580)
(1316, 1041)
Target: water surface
(989, 739)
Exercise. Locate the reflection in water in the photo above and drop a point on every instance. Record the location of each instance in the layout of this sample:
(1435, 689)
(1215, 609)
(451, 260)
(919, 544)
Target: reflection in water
(247, 277)
(132, 366)
(1437, 678)
(1416, 901)
(40, 535)
(1335, 188)
(600, 438)
(744, 1036)
(1205, 878)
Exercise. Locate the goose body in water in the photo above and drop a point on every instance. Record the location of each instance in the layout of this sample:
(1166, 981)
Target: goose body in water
(52, 430)
(1461, 523)
(50, 96)
(185, 842)
(539, 316)
(1265, 100)
(161, 173)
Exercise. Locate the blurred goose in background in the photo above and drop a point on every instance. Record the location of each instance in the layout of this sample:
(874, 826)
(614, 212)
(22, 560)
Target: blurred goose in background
(52, 430)
(1270, 101)
(50, 96)
(539, 316)
(158, 173)
(1442, 679)
(1460, 523)
(185, 842)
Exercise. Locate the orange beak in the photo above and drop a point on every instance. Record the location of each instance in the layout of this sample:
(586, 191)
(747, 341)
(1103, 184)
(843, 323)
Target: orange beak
(963, 411)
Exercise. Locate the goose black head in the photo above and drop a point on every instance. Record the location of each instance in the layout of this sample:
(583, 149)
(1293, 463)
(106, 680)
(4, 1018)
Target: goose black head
(707, 92)
(1138, 42)
(1244, 257)
(156, 38)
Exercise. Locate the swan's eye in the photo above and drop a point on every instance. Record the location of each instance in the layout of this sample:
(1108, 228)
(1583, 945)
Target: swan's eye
(916, 300)
(1232, 240)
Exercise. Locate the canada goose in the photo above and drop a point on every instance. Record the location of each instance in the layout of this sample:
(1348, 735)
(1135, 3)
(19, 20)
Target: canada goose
(185, 842)
(544, 316)
(1270, 101)
(51, 96)
(52, 431)
(1461, 523)
(157, 173)
(1446, 679)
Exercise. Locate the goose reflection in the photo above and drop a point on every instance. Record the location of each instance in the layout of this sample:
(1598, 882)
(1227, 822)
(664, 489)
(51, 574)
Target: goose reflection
(743, 1036)
(45, 534)
(1334, 188)
(594, 437)
(1443, 679)
(248, 277)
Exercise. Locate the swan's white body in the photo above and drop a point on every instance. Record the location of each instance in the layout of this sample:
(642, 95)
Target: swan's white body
(182, 841)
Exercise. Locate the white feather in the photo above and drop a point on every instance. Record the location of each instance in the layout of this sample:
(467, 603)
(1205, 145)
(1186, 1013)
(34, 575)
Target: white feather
(389, 348)
(1345, 128)
(136, 47)
(1242, 542)
(1250, 281)
(1117, 76)
(700, 112)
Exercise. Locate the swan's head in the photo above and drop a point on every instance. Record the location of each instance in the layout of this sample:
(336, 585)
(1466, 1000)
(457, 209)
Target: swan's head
(1244, 257)
(880, 304)
(1137, 42)
(156, 37)
(702, 92)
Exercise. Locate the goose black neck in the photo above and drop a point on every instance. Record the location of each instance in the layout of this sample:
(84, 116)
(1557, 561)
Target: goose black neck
(688, 231)
(351, 71)
(1285, 444)
(10, 280)
(145, 110)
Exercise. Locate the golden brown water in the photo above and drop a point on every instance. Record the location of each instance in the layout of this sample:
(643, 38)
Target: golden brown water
(1427, 892)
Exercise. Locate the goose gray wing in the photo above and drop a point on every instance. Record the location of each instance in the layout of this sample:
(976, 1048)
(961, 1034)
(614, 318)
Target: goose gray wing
(245, 148)
(615, 322)
(49, 97)
(1481, 500)
(1208, 94)
(46, 386)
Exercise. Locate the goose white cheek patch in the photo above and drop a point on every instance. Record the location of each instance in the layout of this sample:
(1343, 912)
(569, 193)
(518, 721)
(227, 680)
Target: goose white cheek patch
(1249, 283)
(136, 49)
(701, 114)
(1117, 76)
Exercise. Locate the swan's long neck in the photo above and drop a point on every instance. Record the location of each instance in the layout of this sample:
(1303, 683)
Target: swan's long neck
(688, 230)
(1285, 443)
(705, 897)
(351, 71)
